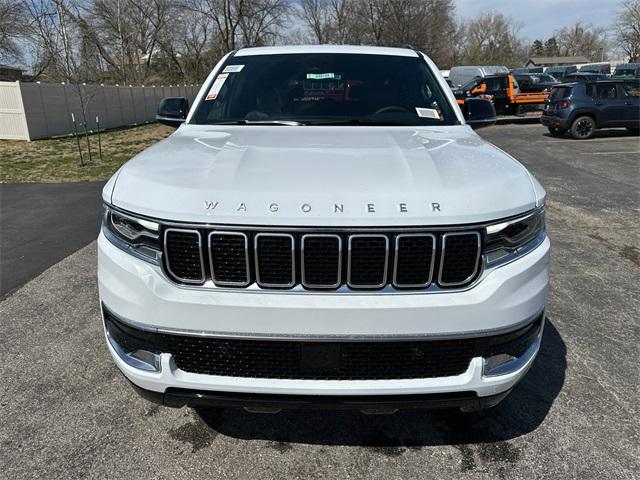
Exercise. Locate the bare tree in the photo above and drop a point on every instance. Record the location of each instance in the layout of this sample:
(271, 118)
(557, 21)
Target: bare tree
(11, 29)
(240, 22)
(582, 40)
(64, 47)
(492, 39)
(628, 29)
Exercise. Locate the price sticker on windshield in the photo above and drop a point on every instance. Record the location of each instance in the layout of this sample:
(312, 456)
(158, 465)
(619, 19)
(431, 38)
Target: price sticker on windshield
(217, 86)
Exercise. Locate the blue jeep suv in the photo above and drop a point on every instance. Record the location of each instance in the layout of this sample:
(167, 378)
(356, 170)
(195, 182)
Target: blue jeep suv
(582, 108)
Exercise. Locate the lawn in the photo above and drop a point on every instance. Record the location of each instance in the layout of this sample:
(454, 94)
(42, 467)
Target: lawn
(57, 159)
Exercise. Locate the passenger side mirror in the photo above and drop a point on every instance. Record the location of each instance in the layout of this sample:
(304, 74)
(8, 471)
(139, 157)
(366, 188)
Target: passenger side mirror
(479, 112)
(173, 111)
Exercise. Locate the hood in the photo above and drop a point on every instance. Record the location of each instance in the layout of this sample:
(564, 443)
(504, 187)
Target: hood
(324, 176)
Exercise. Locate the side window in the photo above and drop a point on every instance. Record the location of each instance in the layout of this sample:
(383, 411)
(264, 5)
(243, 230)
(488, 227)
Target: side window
(606, 91)
(630, 89)
(493, 84)
(590, 90)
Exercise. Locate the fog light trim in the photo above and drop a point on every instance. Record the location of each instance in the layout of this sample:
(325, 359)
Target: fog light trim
(140, 359)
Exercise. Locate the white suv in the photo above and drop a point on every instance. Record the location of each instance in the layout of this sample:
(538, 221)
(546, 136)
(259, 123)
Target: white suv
(324, 229)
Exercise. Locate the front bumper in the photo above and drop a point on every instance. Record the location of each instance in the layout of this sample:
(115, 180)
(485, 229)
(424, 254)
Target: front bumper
(505, 299)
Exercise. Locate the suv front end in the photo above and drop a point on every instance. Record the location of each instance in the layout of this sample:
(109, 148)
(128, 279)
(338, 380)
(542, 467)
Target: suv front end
(295, 287)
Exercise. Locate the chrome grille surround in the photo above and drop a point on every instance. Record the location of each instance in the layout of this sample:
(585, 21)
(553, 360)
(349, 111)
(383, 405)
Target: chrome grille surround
(298, 280)
(192, 281)
(256, 242)
(443, 256)
(246, 256)
(432, 263)
(304, 282)
(350, 260)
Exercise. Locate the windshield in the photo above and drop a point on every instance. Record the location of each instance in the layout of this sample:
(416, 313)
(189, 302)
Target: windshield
(544, 78)
(325, 89)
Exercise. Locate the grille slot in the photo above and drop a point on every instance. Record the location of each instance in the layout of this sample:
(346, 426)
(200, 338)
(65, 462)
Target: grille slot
(275, 259)
(321, 261)
(460, 257)
(229, 256)
(368, 259)
(183, 254)
(414, 260)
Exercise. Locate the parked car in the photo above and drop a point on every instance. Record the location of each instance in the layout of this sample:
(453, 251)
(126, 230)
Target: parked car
(603, 68)
(464, 74)
(561, 71)
(525, 70)
(584, 77)
(505, 93)
(324, 229)
(627, 70)
(535, 82)
(582, 108)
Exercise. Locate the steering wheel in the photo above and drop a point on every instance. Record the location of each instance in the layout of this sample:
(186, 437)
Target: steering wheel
(391, 108)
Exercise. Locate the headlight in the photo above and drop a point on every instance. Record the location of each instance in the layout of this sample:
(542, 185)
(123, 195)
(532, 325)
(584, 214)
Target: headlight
(513, 237)
(134, 235)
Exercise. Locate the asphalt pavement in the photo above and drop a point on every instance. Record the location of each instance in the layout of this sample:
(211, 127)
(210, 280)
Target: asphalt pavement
(66, 412)
(42, 223)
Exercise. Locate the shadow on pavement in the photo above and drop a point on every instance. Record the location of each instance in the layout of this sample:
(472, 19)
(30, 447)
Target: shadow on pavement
(520, 413)
(606, 133)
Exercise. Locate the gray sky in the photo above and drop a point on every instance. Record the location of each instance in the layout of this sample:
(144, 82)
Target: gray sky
(539, 18)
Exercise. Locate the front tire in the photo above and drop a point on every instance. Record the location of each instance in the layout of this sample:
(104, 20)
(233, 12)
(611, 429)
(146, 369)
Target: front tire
(634, 130)
(583, 128)
(557, 132)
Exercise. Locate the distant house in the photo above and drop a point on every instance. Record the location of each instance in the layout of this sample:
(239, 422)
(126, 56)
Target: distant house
(553, 61)
(9, 73)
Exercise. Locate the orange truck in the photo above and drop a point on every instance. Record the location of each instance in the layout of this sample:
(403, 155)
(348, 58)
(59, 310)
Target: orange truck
(503, 90)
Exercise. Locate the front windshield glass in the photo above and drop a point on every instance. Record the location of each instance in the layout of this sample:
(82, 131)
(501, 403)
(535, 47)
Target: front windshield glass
(325, 89)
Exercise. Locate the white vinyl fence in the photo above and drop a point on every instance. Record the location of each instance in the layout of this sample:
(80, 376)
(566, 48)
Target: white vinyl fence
(29, 111)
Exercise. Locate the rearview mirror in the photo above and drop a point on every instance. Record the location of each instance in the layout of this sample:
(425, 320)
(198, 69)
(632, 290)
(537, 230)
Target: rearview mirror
(479, 112)
(173, 111)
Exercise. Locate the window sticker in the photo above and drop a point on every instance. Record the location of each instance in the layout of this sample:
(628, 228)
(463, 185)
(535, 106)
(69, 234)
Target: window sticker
(217, 86)
(428, 113)
(233, 68)
(323, 76)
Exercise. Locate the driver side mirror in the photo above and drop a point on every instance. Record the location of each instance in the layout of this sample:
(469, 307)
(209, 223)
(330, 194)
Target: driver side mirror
(173, 111)
(482, 88)
(479, 112)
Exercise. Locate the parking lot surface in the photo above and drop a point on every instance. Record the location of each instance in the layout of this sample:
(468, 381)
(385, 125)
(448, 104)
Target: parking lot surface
(42, 223)
(66, 412)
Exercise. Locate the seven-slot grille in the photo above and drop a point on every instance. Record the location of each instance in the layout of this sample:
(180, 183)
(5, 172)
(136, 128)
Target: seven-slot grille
(406, 260)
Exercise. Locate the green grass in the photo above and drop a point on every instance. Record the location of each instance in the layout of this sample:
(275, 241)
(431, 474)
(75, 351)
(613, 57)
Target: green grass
(57, 159)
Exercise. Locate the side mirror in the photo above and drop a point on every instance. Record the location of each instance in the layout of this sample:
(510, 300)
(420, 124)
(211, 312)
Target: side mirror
(173, 111)
(479, 112)
(482, 88)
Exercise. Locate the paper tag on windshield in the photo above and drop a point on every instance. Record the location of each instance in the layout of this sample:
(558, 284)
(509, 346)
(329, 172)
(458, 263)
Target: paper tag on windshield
(233, 68)
(217, 86)
(428, 113)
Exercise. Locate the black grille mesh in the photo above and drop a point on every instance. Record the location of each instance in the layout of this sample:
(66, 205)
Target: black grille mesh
(293, 359)
(274, 259)
(414, 256)
(321, 260)
(340, 360)
(229, 258)
(368, 261)
(184, 255)
(460, 258)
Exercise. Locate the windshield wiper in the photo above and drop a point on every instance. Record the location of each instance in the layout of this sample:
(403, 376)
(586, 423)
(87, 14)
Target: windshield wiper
(358, 121)
(291, 123)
